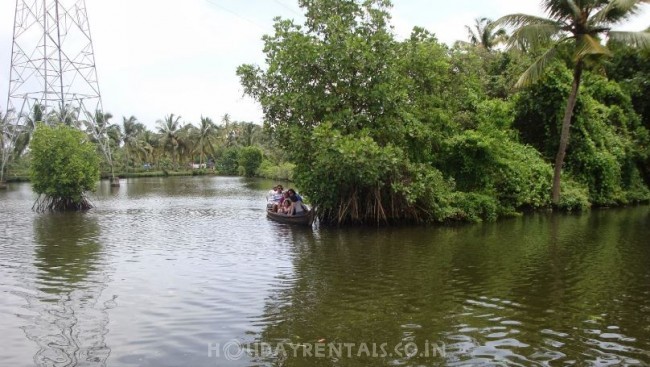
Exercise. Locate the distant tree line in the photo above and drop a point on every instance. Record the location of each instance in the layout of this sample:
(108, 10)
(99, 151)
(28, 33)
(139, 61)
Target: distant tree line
(229, 147)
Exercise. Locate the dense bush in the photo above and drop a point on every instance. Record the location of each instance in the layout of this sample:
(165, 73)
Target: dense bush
(575, 197)
(488, 161)
(64, 166)
(607, 148)
(539, 109)
(250, 159)
(281, 171)
(227, 163)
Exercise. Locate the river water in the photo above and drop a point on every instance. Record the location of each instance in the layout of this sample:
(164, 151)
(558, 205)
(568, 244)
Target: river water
(189, 272)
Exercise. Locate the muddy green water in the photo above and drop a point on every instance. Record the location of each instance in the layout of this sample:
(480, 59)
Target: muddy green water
(189, 272)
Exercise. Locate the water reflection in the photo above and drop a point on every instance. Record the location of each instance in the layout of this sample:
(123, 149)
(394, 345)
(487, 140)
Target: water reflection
(67, 250)
(538, 290)
(66, 318)
(194, 261)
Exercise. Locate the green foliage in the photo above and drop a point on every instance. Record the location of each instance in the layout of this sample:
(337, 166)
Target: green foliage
(631, 69)
(495, 114)
(338, 69)
(227, 163)
(575, 196)
(474, 207)
(344, 170)
(488, 161)
(608, 143)
(166, 165)
(382, 131)
(576, 30)
(64, 166)
(281, 172)
(250, 158)
(539, 108)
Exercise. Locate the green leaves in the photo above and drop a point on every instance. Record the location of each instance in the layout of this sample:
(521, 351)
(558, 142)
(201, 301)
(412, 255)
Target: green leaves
(583, 23)
(617, 10)
(536, 70)
(250, 159)
(383, 131)
(64, 163)
(633, 39)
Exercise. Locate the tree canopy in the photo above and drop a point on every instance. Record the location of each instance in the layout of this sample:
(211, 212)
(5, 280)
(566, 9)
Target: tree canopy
(383, 130)
(64, 166)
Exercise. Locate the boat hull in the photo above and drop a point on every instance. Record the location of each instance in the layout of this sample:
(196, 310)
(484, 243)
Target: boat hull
(305, 220)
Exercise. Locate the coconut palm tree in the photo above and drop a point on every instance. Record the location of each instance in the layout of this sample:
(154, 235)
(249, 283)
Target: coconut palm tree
(103, 133)
(484, 34)
(248, 133)
(170, 128)
(66, 114)
(229, 134)
(148, 147)
(26, 130)
(207, 133)
(187, 139)
(131, 129)
(579, 26)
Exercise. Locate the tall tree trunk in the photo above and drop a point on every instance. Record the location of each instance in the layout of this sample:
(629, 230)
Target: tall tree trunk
(564, 134)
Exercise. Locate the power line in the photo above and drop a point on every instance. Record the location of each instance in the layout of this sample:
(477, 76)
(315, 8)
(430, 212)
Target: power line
(264, 28)
(287, 7)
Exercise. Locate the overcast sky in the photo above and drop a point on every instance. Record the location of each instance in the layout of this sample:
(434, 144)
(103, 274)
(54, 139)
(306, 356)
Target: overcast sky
(156, 57)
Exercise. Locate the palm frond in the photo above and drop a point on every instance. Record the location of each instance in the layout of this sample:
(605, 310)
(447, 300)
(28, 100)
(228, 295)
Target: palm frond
(634, 39)
(518, 20)
(617, 10)
(575, 9)
(471, 35)
(589, 45)
(536, 70)
(563, 10)
(532, 36)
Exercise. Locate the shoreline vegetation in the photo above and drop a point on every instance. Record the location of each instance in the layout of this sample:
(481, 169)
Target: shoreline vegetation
(202, 172)
(388, 131)
(24, 177)
(381, 131)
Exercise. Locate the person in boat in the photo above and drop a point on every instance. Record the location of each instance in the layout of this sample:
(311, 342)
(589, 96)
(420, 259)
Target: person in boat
(280, 204)
(271, 193)
(285, 208)
(294, 196)
(274, 197)
(298, 208)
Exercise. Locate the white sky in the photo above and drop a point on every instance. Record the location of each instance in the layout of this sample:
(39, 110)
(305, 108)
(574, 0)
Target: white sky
(156, 57)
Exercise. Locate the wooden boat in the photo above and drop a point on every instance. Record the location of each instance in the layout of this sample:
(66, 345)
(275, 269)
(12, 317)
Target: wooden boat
(305, 219)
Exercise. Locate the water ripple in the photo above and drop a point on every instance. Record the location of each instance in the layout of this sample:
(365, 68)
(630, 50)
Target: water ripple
(164, 268)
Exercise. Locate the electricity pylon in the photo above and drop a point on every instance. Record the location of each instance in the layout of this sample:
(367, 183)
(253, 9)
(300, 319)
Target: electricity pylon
(53, 71)
(52, 60)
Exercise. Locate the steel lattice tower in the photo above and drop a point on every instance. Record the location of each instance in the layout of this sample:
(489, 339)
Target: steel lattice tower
(52, 61)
